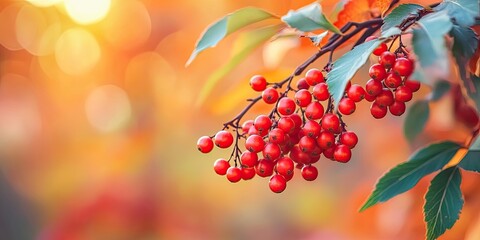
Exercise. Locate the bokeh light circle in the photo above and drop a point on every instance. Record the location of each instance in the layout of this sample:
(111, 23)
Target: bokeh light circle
(8, 37)
(87, 11)
(30, 26)
(77, 51)
(108, 108)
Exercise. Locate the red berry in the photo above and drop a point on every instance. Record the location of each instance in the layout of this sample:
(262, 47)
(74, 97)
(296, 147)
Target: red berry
(221, 166)
(403, 94)
(254, 143)
(387, 59)
(223, 139)
(262, 123)
(311, 129)
(377, 72)
(378, 111)
(264, 168)
(271, 151)
(403, 67)
(277, 183)
(314, 111)
(248, 173)
(330, 122)
(380, 49)
(286, 124)
(270, 95)
(234, 174)
(385, 98)
(369, 97)
(285, 166)
(309, 172)
(307, 144)
(412, 84)
(393, 80)
(314, 76)
(373, 87)
(297, 120)
(249, 159)
(277, 136)
(205, 144)
(302, 84)
(349, 139)
(320, 92)
(254, 131)
(297, 155)
(303, 98)
(246, 126)
(258, 83)
(397, 108)
(356, 93)
(328, 153)
(347, 87)
(342, 153)
(326, 140)
(286, 106)
(346, 106)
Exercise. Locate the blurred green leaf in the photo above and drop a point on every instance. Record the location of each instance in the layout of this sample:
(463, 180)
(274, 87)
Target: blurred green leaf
(439, 90)
(416, 118)
(406, 175)
(443, 202)
(242, 47)
(398, 14)
(226, 25)
(309, 18)
(463, 11)
(464, 46)
(473, 89)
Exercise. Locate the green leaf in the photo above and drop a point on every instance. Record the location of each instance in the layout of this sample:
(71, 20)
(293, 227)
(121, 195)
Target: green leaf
(473, 89)
(309, 18)
(226, 25)
(398, 14)
(416, 118)
(464, 46)
(317, 39)
(440, 88)
(406, 175)
(471, 160)
(242, 47)
(429, 41)
(443, 202)
(347, 65)
(463, 11)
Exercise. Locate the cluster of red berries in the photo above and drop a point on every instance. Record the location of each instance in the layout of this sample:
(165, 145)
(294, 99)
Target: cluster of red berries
(295, 135)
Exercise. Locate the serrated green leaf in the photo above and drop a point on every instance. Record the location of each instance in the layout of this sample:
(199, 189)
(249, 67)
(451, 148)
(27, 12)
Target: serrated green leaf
(309, 18)
(226, 25)
(440, 88)
(416, 118)
(398, 14)
(463, 11)
(443, 202)
(406, 175)
(428, 39)
(317, 39)
(464, 46)
(242, 47)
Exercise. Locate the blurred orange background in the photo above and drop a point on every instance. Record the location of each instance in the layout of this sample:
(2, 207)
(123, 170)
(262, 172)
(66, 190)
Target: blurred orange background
(99, 122)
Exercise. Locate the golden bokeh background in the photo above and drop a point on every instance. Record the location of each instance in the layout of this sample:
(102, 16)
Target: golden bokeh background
(99, 122)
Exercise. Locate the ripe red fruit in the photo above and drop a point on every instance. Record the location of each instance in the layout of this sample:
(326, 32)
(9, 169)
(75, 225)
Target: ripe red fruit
(330, 122)
(397, 108)
(320, 92)
(387, 59)
(254, 143)
(380, 49)
(314, 76)
(221, 166)
(246, 126)
(277, 136)
(349, 139)
(234, 174)
(264, 168)
(262, 123)
(205, 144)
(347, 87)
(314, 111)
(286, 106)
(356, 93)
(377, 72)
(286, 124)
(223, 139)
(302, 84)
(309, 172)
(270, 95)
(393, 80)
(277, 183)
(373, 87)
(385, 98)
(303, 98)
(369, 97)
(248, 173)
(342, 153)
(328, 153)
(307, 144)
(403, 94)
(249, 159)
(311, 129)
(285, 166)
(297, 155)
(271, 151)
(346, 106)
(403, 66)
(326, 140)
(378, 111)
(258, 83)
(412, 84)
(297, 120)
